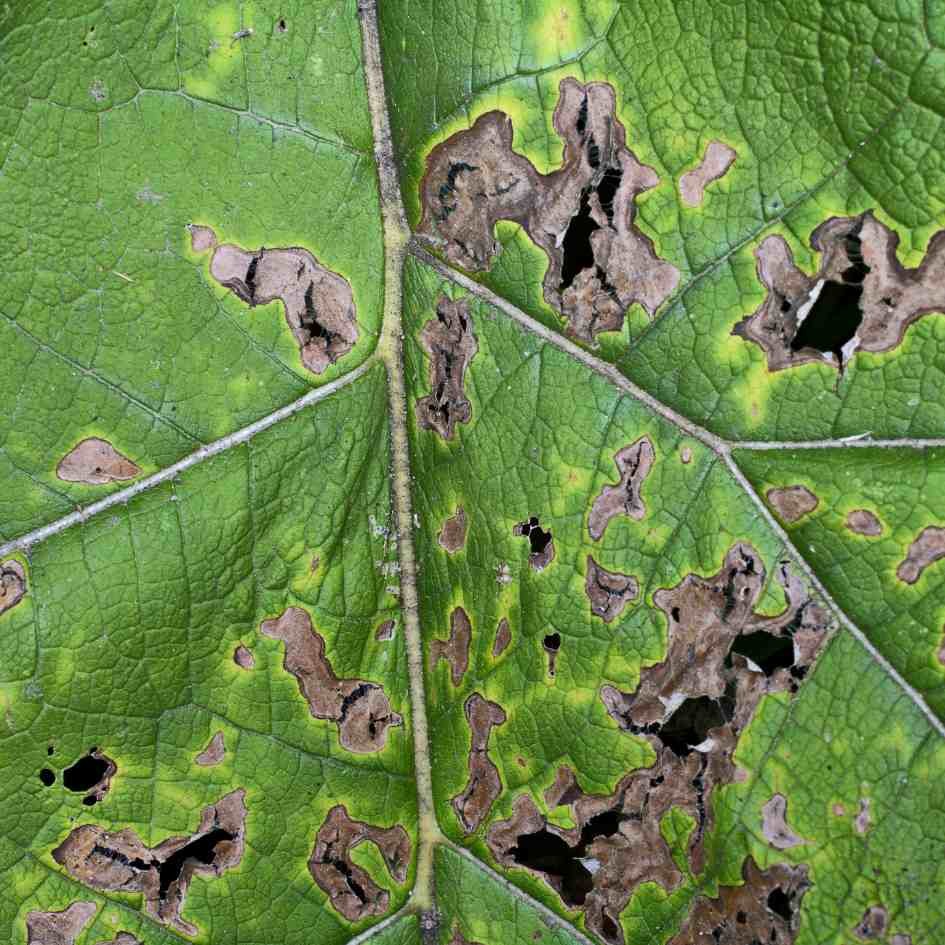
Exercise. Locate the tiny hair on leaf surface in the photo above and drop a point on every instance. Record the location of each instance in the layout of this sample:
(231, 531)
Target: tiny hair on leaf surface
(472, 474)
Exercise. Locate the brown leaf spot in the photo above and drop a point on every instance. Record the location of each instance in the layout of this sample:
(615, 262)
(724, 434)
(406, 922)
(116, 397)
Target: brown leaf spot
(214, 753)
(360, 709)
(765, 908)
(121, 862)
(721, 659)
(792, 502)
(864, 522)
(609, 591)
(385, 631)
(925, 550)
(716, 161)
(541, 543)
(581, 215)
(633, 464)
(59, 928)
(350, 889)
(873, 924)
(122, 938)
(861, 299)
(202, 238)
(454, 650)
(685, 455)
(900, 938)
(473, 803)
(319, 306)
(244, 657)
(12, 584)
(450, 343)
(503, 637)
(95, 462)
(452, 535)
(460, 939)
(775, 827)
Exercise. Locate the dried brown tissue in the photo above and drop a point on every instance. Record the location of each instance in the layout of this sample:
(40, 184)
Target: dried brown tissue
(582, 215)
(691, 708)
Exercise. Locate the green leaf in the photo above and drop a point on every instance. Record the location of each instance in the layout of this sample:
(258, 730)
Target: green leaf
(472, 473)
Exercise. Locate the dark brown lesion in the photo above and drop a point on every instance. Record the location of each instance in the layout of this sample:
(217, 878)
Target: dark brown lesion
(122, 862)
(873, 924)
(95, 461)
(927, 548)
(360, 709)
(349, 887)
(59, 928)
(214, 753)
(12, 584)
(473, 803)
(792, 502)
(319, 305)
(609, 591)
(541, 543)
(765, 908)
(503, 637)
(452, 536)
(454, 650)
(722, 657)
(450, 344)
(860, 299)
(634, 463)
(864, 522)
(581, 215)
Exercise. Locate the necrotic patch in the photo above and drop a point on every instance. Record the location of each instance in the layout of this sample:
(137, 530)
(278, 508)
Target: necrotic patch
(319, 305)
(581, 215)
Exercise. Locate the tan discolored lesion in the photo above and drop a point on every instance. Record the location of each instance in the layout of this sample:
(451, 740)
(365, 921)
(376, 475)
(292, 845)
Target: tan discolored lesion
(350, 888)
(634, 463)
(94, 461)
(122, 862)
(716, 161)
(360, 709)
(859, 275)
(722, 658)
(452, 536)
(319, 305)
(455, 649)
(925, 550)
(609, 591)
(581, 215)
(59, 928)
(792, 502)
(473, 803)
(12, 584)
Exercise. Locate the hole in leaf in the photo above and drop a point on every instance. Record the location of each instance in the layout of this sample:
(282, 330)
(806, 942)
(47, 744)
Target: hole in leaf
(86, 772)
(765, 650)
(47, 776)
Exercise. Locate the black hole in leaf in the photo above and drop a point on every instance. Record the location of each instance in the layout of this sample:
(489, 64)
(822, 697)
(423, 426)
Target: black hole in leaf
(251, 278)
(47, 776)
(785, 305)
(741, 918)
(581, 123)
(609, 929)
(553, 641)
(85, 773)
(202, 850)
(281, 26)
(607, 190)
(593, 153)
(577, 253)
(50, 750)
(689, 725)
(836, 315)
(674, 613)
(548, 853)
(780, 903)
(89, 800)
(765, 650)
